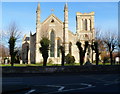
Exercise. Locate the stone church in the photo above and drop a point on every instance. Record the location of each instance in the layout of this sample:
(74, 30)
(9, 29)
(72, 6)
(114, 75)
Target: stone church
(59, 34)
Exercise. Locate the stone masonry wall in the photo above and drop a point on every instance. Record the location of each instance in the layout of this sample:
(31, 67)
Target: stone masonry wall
(63, 69)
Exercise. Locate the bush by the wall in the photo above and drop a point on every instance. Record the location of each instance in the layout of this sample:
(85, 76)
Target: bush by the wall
(69, 59)
(105, 60)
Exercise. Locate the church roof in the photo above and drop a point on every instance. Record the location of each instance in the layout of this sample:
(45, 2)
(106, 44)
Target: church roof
(71, 32)
(26, 38)
(52, 15)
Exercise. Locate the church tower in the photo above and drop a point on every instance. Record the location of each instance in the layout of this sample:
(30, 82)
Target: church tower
(85, 26)
(38, 37)
(85, 31)
(66, 44)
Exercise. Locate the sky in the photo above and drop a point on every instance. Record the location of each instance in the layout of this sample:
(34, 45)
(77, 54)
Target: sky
(24, 14)
(60, 0)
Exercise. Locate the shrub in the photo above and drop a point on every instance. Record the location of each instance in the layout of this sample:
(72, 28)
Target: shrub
(69, 59)
(105, 60)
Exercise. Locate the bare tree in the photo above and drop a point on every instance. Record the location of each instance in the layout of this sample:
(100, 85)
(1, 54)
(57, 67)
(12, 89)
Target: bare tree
(12, 36)
(95, 47)
(99, 39)
(111, 42)
(81, 51)
(4, 51)
(98, 33)
(98, 45)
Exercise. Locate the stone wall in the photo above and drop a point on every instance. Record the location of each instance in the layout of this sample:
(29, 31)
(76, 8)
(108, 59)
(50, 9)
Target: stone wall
(63, 69)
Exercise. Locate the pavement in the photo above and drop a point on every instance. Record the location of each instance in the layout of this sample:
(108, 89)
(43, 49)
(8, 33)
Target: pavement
(61, 83)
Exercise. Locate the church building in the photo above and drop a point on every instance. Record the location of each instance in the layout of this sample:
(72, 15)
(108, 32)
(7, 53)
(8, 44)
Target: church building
(58, 34)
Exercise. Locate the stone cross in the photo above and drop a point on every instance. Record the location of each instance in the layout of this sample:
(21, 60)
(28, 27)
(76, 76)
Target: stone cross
(52, 10)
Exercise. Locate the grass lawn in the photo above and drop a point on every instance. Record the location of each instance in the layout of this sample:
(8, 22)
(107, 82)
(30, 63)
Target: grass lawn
(38, 64)
(100, 63)
(21, 65)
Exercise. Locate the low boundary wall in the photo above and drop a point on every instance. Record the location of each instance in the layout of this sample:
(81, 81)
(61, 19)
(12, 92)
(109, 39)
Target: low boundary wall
(63, 69)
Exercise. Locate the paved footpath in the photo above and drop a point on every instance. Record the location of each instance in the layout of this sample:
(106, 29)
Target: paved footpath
(61, 83)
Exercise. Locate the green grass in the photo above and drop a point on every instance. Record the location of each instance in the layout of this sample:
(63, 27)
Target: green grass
(38, 64)
(100, 63)
(21, 65)
(105, 63)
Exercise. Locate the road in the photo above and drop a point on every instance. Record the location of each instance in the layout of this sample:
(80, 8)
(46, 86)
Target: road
(61, 83)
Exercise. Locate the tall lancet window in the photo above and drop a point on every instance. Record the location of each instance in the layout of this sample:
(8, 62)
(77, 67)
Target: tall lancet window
(85, 24)
(52, 39)
(58, 48)
(90, 25)
(70, 48)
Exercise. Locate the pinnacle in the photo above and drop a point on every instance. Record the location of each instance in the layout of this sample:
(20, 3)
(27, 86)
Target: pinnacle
(66, 6)
(38, 7)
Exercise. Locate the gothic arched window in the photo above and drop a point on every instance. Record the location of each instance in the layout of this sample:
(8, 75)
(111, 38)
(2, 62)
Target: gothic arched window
(70, 48)
(85, 24)
(52, 39)
(58, 48)
(90, 24)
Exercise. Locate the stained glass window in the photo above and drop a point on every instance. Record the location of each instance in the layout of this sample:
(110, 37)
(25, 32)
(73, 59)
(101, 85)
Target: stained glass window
(58, 48)
(85, 24)
(52, 39)
(90, 25)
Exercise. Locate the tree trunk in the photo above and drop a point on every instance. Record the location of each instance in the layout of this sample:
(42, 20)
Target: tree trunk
(111, 60)
(12, 60)
(63, 59)
(44, 61)
(81, 58)
(97, 58)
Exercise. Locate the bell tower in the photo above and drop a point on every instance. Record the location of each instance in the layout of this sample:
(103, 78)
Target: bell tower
(38, 37)
(66, 44)
(85, 26)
